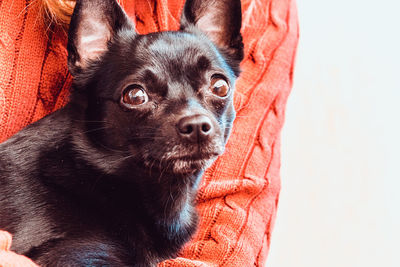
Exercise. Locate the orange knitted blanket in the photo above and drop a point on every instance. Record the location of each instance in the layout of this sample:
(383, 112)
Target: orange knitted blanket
(239, 194)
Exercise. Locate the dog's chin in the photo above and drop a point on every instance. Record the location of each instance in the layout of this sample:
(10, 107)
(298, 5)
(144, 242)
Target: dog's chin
(186, 162)
(187, 166)
(182, 159)
(183, 165)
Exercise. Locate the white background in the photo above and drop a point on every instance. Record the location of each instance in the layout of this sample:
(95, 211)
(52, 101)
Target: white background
(340, 198)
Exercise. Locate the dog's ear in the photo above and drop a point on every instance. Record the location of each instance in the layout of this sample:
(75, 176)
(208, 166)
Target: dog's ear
(220, 20)
(93, 24)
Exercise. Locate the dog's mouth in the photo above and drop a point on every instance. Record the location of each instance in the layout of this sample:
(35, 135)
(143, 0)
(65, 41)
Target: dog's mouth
(188, 165)
(184, 163)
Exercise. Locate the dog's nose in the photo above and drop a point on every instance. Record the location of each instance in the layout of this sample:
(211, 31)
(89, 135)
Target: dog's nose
(195, 128)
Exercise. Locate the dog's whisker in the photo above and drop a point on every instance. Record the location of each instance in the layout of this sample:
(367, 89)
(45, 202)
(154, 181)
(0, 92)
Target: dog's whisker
(92, 121)
(111, 149)
(97, 129)
(148, 137)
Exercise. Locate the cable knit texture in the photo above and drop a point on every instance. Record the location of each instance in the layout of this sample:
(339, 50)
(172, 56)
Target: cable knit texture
(238, 197)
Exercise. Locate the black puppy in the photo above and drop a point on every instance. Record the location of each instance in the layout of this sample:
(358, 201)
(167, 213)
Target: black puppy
(110, 179)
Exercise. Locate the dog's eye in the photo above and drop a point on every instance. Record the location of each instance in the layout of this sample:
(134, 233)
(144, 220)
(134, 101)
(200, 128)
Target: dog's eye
(134, 95)
(219, 87)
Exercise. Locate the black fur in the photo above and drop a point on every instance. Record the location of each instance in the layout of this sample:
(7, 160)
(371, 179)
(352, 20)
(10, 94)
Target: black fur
(100, 184)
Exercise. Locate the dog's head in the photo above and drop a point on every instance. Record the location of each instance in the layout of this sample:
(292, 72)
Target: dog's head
(161, 99)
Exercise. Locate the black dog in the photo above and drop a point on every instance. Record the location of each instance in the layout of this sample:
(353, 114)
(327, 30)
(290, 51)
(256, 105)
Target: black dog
(110, 179)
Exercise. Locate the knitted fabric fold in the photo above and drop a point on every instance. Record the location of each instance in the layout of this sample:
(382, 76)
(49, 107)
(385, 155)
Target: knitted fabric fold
(238, 196)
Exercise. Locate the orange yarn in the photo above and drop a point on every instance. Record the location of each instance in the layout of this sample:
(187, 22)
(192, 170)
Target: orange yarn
(238, 196)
